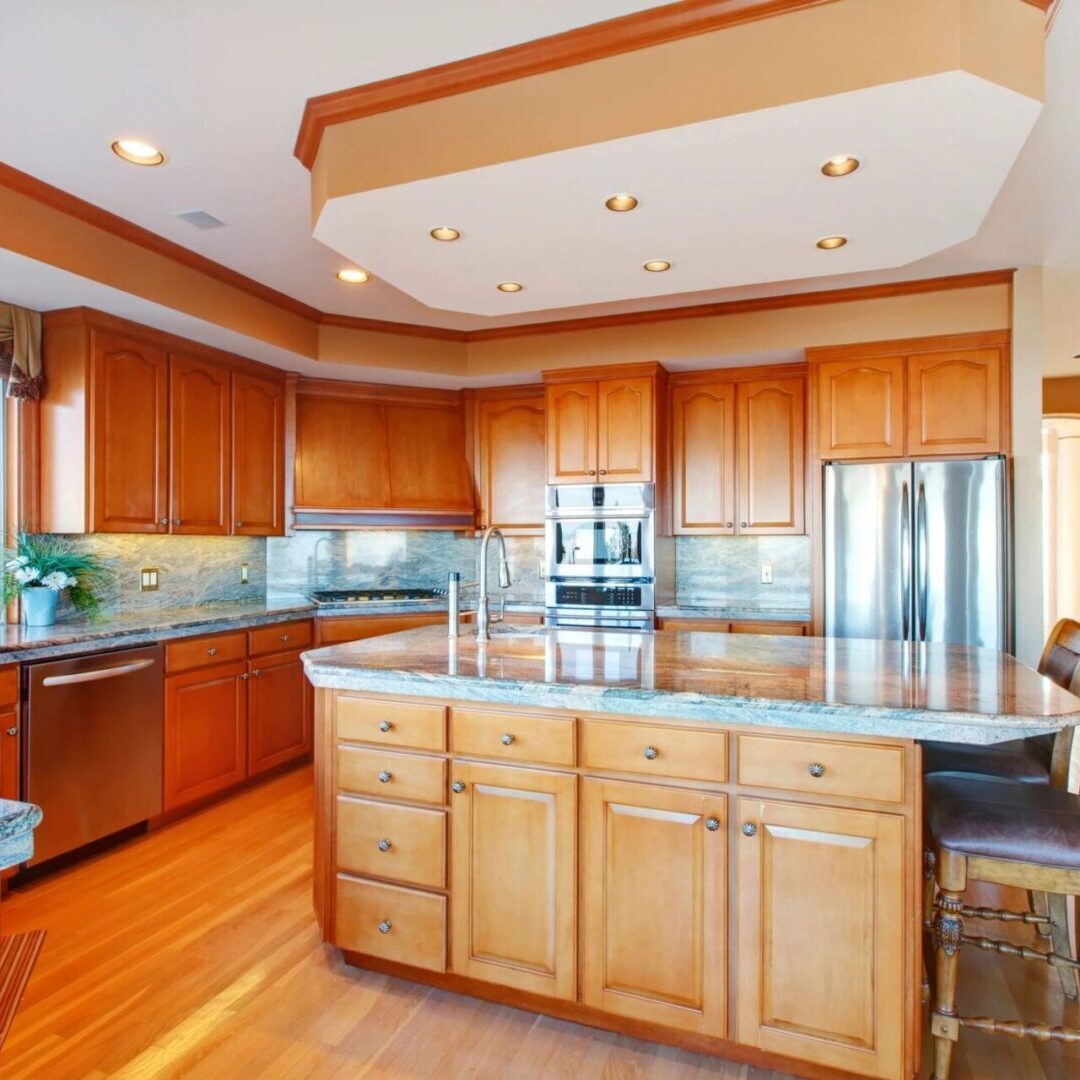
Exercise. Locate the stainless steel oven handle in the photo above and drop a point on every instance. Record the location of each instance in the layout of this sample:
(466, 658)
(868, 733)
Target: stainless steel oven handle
(98, 673)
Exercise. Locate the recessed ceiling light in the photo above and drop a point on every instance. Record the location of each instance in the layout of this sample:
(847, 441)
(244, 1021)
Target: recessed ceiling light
(831, 243)
(444, 232)
(509, 286)
(657, 266)
(138, 152)
(353, 275)
(621, 202)
(844, 165)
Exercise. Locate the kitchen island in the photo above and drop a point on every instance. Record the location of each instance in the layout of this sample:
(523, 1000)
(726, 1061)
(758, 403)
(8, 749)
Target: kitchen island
(703, 839)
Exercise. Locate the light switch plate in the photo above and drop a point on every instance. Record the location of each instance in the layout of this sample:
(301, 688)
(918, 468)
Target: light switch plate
(766, 573)
(244, 576)
(148, 579)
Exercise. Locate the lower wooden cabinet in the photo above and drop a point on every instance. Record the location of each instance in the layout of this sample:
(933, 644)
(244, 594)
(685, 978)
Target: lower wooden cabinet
(513, 877)
(821, 929)
(279, 713)
(654, 903)
(205, 732)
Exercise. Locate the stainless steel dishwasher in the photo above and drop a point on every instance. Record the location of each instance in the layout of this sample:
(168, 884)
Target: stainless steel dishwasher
(92, 749)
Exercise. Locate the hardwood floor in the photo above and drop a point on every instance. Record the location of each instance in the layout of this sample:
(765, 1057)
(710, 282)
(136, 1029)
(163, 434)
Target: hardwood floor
(193, 952)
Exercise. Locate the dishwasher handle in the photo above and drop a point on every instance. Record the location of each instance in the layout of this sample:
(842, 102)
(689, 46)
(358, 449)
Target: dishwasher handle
(98, 673)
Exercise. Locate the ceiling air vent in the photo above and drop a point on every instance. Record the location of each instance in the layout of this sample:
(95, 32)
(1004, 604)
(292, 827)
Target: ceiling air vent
(200, 219)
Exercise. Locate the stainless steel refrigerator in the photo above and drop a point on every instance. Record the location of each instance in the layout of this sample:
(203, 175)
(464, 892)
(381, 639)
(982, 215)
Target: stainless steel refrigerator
(918, 551)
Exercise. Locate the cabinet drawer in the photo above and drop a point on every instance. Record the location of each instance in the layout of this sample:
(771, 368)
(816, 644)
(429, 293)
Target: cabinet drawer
(548, 740)
(204, 651)
(391, 723)
(397, 924)
(415, 841)
(846, 769)
(654, 750)
(281, 637)
(391, 776)
(785, 629)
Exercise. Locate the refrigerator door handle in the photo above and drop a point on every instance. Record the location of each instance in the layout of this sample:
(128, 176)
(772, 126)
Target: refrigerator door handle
(905, 560)
(920, 561)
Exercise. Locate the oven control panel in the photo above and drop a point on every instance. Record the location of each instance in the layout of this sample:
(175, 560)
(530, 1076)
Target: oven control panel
(626, 596)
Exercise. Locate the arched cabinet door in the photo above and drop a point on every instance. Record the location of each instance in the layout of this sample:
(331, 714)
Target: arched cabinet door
(512, 463)
(625, 430)
(954, 402)
(703, 458)
(258, 456)
(571, 441)
(861, 408)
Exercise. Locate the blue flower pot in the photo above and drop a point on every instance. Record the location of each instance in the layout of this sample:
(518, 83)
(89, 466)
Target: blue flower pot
(39, 606)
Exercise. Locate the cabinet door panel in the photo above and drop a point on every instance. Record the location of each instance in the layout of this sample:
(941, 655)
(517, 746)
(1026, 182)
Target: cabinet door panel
(861, 408)
(513, 868)
(771, 456)
(205, 732)
(200, 480)
(625, 430)
(954, 402)
(703, 439)
(427, 458)
(278, 726)
(512, 463)
(654, 895)
(821, 926)
(129, 435)
(571, 432)
(258, 456)
(341, 454)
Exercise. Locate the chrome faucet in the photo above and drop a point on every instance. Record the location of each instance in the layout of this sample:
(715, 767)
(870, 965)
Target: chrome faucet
(483, 615)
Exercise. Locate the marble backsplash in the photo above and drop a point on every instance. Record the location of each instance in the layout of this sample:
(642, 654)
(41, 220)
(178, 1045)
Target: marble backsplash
(725, 571)
(192, 570)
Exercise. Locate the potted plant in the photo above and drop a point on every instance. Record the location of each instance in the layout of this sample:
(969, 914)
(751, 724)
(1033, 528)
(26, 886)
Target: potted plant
(39, 567)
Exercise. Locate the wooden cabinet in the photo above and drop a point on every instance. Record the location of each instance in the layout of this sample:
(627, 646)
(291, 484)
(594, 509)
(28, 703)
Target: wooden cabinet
(258, 456)
(199, 447)
(511, 457)
(821, 931)
(654, 902)
(426, 449)
(9, 733)
(342, 460)
(924, 397)
(279, 716)
(513, 877)
(205, 732)
(171, 437)
(739, 456)
(334, 630)
(773, 627)
(128, 431)
(603, 429)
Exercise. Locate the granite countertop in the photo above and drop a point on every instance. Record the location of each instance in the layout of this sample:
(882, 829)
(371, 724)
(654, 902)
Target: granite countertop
(885, 688)
(17, 823)
(736, 614)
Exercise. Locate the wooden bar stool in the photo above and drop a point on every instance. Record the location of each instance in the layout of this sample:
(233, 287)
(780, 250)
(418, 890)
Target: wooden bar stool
(986, 829)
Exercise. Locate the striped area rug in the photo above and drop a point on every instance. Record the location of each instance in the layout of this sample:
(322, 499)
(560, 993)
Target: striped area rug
(18, 954)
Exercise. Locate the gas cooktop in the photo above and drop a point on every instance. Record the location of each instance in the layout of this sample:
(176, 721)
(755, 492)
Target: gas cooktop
(373, 596)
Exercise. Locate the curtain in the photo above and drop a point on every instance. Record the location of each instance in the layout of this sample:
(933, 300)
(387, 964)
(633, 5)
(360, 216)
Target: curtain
(20, 351)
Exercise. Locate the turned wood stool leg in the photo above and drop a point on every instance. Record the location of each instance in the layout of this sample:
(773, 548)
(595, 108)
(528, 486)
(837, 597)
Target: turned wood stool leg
(1058, 907)
(1037, 902)
(948, 931)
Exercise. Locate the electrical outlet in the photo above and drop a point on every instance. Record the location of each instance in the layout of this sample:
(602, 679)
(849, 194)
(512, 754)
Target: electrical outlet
(766, 573)
(244, 577)
(148, 579)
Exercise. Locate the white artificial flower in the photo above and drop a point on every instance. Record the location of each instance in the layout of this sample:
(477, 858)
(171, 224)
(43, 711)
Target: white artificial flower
(71, 582)
(56, 581)
(26, 575)
(14, 564)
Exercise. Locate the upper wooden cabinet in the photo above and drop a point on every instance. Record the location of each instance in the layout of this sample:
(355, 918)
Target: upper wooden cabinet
(511, 463)
(363, 448)
(738, 455)
(164, 434)
(919, 398)
(603, 429)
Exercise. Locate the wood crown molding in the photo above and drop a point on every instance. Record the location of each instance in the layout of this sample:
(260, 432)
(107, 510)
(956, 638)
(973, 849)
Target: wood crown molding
(387, 392)
(910, 346)
(596, 41)
(645, 370)
(385, 326)
(739, 374)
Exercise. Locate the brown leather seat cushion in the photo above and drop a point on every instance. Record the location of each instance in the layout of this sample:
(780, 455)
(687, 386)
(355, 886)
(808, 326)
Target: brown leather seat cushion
(1001, 819)
(1026, 760)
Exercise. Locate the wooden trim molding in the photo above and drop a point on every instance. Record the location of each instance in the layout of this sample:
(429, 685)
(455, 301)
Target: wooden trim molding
(385, 326)
(910, 346)
(596, 41)
(647, 370)
(410, 395)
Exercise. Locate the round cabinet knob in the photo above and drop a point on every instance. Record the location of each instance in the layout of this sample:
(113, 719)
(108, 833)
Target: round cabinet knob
(13, 731)
(457, 787)
(651, 753)
(742, 524)
(385, 845)
(256, 672)
(385, 777)
(507, 739)
(245, 676)
(284, 637)
(211, 651)
(386, 726)
(176, 521)
(592, 472)
(238, 524)
(730, 525)
(712, 824)
(385, 926)
(817, 769)
(163, 521)
(603, 472)
(749, 829)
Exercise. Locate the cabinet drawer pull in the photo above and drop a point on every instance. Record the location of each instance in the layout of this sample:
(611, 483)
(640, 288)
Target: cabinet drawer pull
(256, 672)
(730, 525)
(592, 472)
(603, 472)
(385, 845)
(284, 637)
(386, 726)
(13, 731)
(385, 777)
(817, 769)
(238, 524)
(749, 829)
(507, 739)
(651, 753)
(385, 926)
(457, 787)
(176, 521)
(163, 521)
(712, 824)
(742, 524)
(245, 676)
(211, 652)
